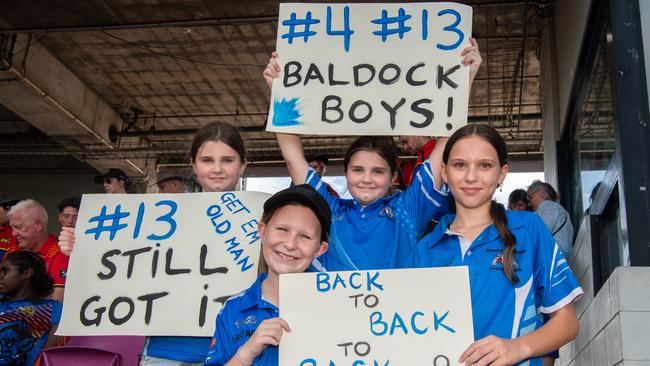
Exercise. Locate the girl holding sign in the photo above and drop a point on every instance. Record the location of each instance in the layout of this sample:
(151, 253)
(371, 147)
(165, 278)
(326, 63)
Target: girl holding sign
(375, 229)
(294, 230)
(515, 266)
(218, 158)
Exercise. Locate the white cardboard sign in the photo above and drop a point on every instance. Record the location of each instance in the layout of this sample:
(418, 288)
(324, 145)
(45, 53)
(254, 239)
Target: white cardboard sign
(159, 264)
(389, 317)
(371, 69)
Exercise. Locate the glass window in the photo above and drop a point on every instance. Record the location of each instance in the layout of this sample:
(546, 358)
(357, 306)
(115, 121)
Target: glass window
(595, 134)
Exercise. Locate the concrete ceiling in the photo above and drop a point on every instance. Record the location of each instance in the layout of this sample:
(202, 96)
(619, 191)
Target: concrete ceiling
(159, 69)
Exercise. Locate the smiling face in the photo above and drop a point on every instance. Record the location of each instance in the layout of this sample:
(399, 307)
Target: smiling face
(291, 239)
(473, 172)
(217, 167)
(68, 217)
(369, 177)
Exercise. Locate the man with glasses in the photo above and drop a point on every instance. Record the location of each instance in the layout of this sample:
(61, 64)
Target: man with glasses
(114, 181)
(542, 199)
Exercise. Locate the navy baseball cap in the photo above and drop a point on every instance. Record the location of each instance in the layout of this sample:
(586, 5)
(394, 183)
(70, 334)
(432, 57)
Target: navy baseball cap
(305, 195)
(113, 173)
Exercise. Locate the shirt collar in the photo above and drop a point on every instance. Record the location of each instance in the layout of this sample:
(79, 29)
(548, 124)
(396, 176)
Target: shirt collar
(253, 296)
(515, 221)
(378, 203)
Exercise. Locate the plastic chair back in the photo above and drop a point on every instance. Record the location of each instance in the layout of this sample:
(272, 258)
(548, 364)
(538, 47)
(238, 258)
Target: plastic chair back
(129, 347)
(79, 356)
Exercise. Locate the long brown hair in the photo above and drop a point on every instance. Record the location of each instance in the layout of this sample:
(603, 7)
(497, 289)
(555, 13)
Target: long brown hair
(497, 212)
(381, 145)
(218, 131)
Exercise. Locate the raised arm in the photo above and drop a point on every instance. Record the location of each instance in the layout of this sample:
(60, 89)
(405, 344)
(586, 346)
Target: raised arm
(472, 58)
(290, 144)
(435, 159)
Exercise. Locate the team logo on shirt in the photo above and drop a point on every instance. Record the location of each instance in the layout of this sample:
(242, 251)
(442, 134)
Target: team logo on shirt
(497, 263)
(26, 310)
(246, 321)
(387, 212)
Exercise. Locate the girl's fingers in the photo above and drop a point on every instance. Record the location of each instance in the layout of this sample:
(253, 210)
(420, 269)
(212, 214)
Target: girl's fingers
(488, 359)
(471, 349)
(284, 324)
(468, 50)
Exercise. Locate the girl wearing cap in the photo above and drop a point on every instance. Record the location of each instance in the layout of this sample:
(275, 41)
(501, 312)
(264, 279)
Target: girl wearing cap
(294, 229)
(218, 157)
(376, 229)
(515, 265)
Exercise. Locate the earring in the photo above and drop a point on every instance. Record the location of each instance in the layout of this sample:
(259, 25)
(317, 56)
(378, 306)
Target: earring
(501, 187)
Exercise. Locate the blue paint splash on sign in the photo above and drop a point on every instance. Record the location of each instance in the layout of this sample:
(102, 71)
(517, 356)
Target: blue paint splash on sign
(285, 113)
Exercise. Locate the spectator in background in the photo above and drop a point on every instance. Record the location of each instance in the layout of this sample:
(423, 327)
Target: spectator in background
(7, 240)
(27, 314)
(68, 211)
(543, 200)
(169, 182)
(114, 181)
(421, 147)
(28, 219)
(518, 200)
(319, 164)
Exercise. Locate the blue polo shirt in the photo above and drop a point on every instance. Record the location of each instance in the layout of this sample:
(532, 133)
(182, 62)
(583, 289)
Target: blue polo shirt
(498, 307)
(237, 321)
(187, 349)
(382, 234)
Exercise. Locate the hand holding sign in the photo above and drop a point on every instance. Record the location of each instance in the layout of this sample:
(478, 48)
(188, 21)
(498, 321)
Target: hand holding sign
(390, 317)
(386, 67)
(158, 264)
(268, 333)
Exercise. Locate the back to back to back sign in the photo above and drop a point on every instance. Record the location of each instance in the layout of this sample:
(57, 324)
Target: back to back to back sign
(391, 317)
(371, 69)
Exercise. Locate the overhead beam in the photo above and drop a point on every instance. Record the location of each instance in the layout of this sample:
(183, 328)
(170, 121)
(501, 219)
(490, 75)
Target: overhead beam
(36, 86)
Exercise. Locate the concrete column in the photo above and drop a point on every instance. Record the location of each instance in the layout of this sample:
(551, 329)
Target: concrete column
(550, 113)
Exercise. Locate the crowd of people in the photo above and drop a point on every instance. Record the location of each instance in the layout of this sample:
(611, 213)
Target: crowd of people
(521, 287)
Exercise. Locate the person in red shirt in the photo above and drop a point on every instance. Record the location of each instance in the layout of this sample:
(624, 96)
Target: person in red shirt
(421, 147)
(28, 220)
(319, 164)
(7, 240)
